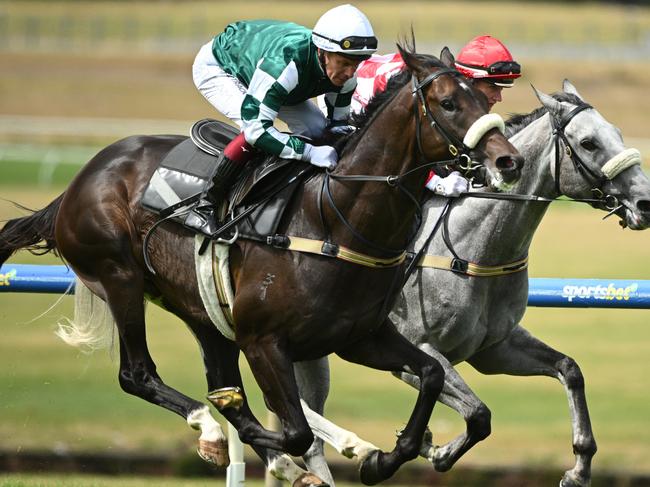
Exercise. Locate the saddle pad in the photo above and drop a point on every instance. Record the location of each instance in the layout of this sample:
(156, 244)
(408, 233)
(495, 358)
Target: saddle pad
(185, 172)
(189, 167)
(213, 276)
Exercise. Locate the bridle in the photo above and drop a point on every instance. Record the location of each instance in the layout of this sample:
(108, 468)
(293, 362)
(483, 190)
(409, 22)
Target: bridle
(458, 149)
(609, 171)
(559, 125)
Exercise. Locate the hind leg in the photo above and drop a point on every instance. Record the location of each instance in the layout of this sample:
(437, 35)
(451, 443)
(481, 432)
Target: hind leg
(220, 357)
(123, 291)
(523, 354)
(313, 378)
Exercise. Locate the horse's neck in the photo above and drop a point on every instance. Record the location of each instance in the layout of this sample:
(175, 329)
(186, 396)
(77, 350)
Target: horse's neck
(500, 231)
(386, 147)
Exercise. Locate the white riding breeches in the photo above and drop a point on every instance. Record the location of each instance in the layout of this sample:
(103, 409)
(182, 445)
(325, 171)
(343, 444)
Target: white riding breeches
(226, 93)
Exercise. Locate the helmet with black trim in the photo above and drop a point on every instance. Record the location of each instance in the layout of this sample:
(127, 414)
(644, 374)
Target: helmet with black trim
(486, 58)
(345, 30)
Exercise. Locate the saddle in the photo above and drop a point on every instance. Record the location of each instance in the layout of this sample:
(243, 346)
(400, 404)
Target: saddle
(258, 198)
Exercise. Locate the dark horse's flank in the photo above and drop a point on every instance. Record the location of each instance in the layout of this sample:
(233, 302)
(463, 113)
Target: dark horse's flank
(288, 306)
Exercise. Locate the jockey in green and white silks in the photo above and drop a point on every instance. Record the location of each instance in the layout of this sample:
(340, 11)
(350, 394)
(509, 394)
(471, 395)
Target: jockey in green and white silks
(260, 70)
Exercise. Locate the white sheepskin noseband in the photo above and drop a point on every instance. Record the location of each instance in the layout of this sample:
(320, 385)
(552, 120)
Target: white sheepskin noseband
(620, 162)
(481, 127)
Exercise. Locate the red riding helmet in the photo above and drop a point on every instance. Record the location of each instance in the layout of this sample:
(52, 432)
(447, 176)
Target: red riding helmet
(485, 57)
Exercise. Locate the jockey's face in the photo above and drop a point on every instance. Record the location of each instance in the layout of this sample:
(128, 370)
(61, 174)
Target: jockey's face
(339, 68)
(491, 91)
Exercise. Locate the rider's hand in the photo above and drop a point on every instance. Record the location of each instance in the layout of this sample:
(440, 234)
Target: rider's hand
(320, 155)
(453, 185)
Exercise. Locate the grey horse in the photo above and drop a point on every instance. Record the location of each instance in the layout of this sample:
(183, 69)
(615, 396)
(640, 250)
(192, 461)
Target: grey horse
(473, 314)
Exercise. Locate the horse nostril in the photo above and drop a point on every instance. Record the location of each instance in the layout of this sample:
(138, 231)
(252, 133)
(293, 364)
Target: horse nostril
(644, 207)
(508, 163)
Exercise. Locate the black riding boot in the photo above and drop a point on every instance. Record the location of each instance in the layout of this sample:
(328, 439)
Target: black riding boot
(226, 172)
(205, 217)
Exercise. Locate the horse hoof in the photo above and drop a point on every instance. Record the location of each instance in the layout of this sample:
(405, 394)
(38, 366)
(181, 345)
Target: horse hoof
(369, 469)
(214, 452)
(309, 480)
(570, 479)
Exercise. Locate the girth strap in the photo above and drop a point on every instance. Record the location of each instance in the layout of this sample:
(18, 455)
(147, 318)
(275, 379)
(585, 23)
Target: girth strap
(462, 266)
(329, 249)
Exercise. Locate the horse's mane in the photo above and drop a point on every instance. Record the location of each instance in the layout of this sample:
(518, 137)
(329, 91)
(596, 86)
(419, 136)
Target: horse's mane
(394, 84)
(518, 122)
(379, 101)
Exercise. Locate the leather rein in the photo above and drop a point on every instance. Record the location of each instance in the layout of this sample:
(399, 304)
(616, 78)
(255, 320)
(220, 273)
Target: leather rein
(457, 148)
(607, 201)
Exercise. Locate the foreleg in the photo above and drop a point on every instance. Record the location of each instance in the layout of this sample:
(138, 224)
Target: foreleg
(523, 354)
(457, 395)
(387, 350)
(220, 357)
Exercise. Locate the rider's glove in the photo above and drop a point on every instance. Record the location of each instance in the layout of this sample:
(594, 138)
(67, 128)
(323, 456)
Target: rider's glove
(453, 185)
(320, 155)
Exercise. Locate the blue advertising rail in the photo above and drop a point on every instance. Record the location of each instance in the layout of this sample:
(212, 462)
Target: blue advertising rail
(544, 292)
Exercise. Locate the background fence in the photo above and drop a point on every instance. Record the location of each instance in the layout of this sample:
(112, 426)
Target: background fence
(622, 33)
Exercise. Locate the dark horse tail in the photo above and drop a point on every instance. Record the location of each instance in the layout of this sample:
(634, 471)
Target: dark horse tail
(34, 233)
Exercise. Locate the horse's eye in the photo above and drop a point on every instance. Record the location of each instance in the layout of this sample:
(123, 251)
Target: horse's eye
(588, 144)
(447, 105)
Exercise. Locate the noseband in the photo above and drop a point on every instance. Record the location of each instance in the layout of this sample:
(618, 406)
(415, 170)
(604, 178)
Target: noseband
(610, 170)
(461, 156)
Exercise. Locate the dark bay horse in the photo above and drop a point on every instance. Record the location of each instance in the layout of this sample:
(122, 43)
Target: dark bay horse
(288, 306)
(476, 316)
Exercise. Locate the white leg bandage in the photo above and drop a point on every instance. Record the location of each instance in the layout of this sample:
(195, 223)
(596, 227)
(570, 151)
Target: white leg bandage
(481, 127)
(620, 162)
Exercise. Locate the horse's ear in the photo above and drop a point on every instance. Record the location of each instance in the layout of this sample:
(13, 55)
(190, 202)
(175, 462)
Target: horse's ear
(553, 106)
(408, 55)
(447, 57)
(406, 48)
(568, 87)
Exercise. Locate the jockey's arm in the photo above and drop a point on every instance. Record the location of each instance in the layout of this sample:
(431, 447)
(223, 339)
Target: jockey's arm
(265, 96)
(337, 107)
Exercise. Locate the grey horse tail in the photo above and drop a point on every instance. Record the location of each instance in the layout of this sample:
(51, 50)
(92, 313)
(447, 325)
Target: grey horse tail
(34, 233)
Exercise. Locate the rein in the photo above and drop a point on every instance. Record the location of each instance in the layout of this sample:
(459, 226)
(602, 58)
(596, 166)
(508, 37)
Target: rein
(457, 148)
(610, 170)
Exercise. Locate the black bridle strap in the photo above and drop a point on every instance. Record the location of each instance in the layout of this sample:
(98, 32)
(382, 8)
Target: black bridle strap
(580, 166)
(436, 74)
(532, 197)
(455, 145)
(417, 257)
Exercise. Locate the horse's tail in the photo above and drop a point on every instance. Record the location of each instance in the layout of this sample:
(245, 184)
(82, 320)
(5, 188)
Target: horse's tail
(92, 327)
(34, 233)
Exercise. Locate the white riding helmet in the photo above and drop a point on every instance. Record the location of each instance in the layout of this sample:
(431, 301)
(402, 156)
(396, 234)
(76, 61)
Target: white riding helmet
(346, 30)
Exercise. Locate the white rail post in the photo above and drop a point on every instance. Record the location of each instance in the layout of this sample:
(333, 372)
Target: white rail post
(236, 471)
(273, 424)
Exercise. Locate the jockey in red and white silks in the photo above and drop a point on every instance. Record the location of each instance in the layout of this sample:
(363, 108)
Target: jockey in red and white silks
(484, 60)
